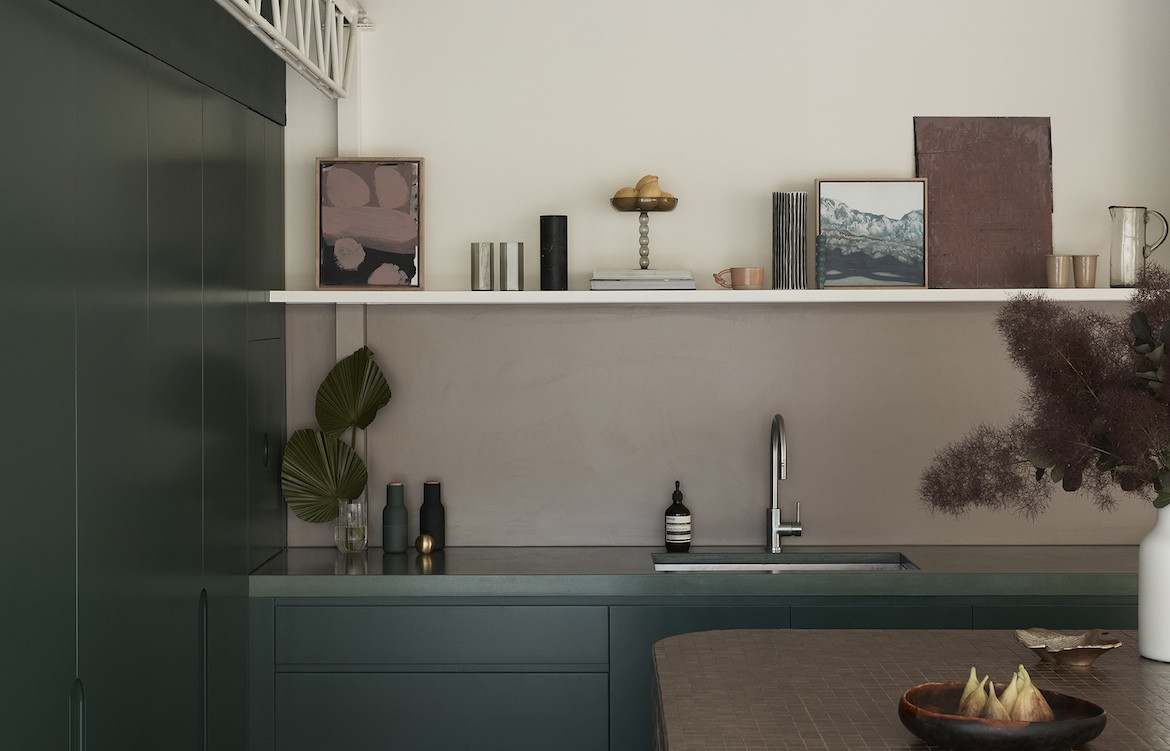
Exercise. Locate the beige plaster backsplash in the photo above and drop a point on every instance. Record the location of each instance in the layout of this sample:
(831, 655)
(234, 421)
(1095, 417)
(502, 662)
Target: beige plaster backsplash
(568, 425)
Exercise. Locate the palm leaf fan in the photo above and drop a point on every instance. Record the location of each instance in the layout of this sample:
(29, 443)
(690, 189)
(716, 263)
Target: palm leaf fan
(317, 471)
(352, 393)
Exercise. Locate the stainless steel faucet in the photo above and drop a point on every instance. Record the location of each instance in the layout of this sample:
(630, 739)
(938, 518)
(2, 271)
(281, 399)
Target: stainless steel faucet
(777, 528)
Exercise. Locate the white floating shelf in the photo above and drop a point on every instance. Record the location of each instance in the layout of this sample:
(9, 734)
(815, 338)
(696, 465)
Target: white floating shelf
(655, 297)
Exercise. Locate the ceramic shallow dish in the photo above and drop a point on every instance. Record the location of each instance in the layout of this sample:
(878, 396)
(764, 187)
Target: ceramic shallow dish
(926, 710)
(1067, 649)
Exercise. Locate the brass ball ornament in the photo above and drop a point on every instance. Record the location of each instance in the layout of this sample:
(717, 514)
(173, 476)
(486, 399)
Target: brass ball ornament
(424, 544)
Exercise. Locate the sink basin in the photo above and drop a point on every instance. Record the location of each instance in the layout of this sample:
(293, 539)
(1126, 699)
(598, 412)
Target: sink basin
(777, 562)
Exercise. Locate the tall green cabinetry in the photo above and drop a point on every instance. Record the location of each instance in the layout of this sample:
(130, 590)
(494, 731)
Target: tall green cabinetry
(140, 205)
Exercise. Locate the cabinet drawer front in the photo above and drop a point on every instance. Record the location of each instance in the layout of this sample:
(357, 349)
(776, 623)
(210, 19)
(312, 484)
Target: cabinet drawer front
(512, 711)
(435, 635)
(866, 616)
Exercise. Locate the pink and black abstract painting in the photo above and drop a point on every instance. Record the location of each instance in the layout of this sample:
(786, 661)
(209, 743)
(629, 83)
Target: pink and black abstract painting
(369, 222)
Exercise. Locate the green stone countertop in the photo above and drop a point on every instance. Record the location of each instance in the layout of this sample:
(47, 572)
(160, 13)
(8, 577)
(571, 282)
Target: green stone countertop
(977, 570)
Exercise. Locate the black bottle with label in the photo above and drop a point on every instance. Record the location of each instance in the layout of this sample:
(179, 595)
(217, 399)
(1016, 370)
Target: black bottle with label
(678, 523)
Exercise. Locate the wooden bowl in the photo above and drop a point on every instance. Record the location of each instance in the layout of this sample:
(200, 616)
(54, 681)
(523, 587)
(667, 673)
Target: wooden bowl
(926, 710)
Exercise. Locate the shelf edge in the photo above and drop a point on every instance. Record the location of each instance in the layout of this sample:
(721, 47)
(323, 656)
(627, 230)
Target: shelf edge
(675, 297)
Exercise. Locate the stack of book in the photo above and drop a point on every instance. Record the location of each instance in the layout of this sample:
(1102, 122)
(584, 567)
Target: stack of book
(642, 279)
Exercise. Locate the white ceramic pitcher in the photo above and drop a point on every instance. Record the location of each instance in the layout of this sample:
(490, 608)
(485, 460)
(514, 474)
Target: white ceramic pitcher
(1128, 249)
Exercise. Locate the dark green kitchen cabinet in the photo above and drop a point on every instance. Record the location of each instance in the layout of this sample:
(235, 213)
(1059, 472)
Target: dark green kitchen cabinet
(125, 384)
(429, 676)
(434, 670)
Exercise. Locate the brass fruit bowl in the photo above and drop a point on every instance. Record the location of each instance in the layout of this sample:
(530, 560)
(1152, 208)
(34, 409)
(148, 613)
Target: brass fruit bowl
(926, 710)
(635, 203)
(1067, 649)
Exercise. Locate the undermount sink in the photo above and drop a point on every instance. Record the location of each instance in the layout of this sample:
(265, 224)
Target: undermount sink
(787, 562)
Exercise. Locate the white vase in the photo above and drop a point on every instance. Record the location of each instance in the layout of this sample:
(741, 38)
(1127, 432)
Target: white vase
(1154, 590)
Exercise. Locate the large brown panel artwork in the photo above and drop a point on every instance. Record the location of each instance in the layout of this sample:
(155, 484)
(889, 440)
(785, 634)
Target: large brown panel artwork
(990, 199)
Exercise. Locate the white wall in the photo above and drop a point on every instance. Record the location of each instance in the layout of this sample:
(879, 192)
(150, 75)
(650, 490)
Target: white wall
(569, 426)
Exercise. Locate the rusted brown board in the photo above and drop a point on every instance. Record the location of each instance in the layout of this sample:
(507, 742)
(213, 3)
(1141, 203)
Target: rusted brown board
(990, 199)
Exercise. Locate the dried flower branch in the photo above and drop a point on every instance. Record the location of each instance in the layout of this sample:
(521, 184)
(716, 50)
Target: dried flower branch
(1096, 413)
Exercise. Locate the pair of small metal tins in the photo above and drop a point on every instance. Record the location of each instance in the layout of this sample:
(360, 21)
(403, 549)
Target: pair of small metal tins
(511, 266)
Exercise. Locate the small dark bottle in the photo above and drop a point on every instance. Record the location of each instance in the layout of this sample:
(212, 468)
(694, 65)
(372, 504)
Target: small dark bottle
(431, 518)
(394, 520)
(678, 523)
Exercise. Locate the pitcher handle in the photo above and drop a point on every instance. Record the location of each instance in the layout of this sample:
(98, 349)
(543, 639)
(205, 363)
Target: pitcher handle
(1146, 251)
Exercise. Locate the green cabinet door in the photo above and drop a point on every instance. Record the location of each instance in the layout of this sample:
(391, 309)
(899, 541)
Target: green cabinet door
(902, 615)
(225, 422)
(1068, 615)
(37, 311)
(139, 400)
(513, 711)
(267, 511)
(265, 229)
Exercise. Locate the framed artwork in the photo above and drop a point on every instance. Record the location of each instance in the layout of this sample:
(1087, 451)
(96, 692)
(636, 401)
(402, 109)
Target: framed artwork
(369, 223)
(872, 233)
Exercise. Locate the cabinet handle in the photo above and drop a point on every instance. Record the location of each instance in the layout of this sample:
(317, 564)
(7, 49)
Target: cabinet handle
(77, 716)
(265, 452)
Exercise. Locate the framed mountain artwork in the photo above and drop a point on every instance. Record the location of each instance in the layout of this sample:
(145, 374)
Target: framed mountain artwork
(871, 233)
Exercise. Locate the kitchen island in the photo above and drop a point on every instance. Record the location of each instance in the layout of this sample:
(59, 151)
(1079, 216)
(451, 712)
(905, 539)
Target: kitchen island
(838, 690)
(550, 647)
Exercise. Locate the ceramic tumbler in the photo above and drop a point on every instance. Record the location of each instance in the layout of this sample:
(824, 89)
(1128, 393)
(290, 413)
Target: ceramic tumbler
(1059, 271)
(1084, 271)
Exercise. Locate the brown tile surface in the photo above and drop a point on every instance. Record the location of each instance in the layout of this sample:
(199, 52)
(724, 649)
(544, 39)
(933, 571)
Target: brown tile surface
(838, 690)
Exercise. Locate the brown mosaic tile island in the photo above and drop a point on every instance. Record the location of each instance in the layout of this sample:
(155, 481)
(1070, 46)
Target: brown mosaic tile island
(838, 690)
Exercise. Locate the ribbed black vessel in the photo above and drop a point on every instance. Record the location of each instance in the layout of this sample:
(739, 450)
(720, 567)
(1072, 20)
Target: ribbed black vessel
(789, 240)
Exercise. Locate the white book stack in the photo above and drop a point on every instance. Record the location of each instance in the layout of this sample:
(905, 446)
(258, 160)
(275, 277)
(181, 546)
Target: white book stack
(642, 279)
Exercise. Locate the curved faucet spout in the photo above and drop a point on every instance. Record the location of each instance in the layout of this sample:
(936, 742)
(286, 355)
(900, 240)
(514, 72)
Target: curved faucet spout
(779, 458)
(778, 529)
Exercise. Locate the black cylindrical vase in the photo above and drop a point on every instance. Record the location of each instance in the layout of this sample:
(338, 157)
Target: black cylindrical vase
(554, 252)
(431, 518)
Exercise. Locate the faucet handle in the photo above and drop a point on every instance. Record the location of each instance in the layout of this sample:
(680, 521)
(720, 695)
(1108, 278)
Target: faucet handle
(798, 512)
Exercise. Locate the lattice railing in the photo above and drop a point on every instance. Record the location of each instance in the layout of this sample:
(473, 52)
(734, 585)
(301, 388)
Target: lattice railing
(316, 37)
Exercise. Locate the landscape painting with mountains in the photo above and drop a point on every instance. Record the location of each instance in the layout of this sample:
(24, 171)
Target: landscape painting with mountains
(873, 233)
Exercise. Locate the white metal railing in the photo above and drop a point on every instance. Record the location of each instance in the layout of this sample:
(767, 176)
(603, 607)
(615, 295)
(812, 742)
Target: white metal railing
(316, 37)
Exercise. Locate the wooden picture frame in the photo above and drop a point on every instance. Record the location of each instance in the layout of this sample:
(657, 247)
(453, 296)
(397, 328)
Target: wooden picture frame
(872, 233)
(369, 223)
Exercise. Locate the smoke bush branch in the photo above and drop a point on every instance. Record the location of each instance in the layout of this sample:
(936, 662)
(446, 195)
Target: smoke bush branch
(1088, 419)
